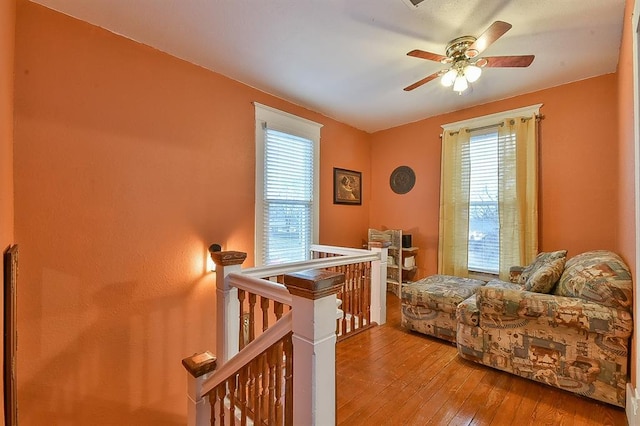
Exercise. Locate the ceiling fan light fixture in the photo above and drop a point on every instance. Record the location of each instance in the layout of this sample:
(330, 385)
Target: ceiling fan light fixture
(472, 73)
(449, 78)
(460, 84)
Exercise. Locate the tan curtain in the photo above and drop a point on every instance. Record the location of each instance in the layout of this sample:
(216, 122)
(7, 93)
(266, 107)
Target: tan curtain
(518, 192)
(453, 242)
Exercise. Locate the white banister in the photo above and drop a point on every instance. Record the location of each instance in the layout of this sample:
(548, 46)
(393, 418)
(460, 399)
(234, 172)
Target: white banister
(314, 345)
(310, 289)
(379, 283)
(199, 367)
(227, 304)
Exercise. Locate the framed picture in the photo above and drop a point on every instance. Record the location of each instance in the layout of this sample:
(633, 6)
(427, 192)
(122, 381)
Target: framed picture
(347, 187)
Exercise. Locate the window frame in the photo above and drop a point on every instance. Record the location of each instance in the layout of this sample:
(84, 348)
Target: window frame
(284, 122)
(488, 121)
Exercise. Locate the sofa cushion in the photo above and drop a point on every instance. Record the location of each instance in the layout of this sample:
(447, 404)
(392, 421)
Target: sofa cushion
(540, 260)
(600, 276)
(439, 292)
(546, 276)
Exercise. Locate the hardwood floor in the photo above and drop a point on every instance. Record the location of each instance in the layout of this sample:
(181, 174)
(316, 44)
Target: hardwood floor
(390, 376)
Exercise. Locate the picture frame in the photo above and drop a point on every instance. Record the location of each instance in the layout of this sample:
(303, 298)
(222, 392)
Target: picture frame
(347, 187)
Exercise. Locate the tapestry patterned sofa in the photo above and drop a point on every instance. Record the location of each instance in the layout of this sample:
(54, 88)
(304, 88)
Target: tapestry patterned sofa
(429, 305)
(566, 323)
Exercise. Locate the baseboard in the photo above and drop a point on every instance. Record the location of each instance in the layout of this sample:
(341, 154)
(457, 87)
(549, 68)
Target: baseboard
(632, 410)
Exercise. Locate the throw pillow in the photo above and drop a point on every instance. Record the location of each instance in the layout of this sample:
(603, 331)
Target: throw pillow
(546, 276)
(540, 260)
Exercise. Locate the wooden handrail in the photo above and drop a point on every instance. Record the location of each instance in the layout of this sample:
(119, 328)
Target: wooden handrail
(273, 334)
(261, 287)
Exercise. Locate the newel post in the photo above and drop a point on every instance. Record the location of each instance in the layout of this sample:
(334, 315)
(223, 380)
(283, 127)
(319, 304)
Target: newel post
(379, 282)
(199, 367)
(314, 345)
(227, 304)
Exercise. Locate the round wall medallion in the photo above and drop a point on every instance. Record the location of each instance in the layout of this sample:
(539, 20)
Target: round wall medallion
(402, 180)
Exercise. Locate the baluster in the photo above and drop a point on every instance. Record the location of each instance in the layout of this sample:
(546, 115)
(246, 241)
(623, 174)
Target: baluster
(232, 399)
(367, 291)
(279, 352)
(252, 388)
(359, 285)
(278, 307)
(242, 388)
(212, 404)
(264, 390)
(242, 338)
(354, 296)
(257, 411)
(221, 391)
(347, 297)
(252, 318)
(264, 305)
(271, 356)
(288, 379)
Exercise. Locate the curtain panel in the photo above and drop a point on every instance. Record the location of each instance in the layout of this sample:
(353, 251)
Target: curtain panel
(453, 237)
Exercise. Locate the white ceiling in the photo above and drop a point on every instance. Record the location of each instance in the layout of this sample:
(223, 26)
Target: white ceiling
(347, 58)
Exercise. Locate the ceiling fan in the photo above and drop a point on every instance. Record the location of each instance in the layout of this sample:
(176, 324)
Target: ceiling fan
(462, 54)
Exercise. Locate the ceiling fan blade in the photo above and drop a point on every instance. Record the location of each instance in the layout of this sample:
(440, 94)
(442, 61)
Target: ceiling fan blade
(494, 32)
(423, 81)
(508, 61)
(428, 55)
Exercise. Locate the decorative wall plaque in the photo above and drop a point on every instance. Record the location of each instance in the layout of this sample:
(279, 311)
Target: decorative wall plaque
(402, 180)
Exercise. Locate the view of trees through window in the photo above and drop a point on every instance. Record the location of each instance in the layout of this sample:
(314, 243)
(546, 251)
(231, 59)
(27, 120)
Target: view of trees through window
(484, 225)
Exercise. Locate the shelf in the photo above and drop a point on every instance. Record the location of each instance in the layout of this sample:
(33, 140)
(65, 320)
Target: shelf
(410, 249)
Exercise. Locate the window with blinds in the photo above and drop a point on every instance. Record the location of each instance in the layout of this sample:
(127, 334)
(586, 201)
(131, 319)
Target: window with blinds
(288, 197)
(484, 224)
(287, 186)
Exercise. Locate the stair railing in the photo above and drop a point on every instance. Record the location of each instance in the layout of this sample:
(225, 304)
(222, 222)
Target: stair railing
(274, 320)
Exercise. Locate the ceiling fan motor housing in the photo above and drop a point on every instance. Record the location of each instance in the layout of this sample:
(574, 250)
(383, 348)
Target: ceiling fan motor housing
(458, 48)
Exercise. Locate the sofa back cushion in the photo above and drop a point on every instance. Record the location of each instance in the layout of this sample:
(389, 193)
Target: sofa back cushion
(599, 276)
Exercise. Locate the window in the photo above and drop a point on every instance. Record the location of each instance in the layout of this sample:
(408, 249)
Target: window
(488, 194)
(484, 223)
(287, 170)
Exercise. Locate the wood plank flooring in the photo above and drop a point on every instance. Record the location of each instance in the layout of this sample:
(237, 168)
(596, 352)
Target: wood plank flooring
(390, 376)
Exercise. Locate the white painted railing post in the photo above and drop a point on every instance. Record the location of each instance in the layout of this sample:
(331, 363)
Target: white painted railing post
(199, 367)
(314, 345)
(379, 282)
(227, 305)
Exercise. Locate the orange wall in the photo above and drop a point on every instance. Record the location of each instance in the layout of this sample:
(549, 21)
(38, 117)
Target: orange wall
(128, 164)
(7, 33)
(578, 170)
(628, 163)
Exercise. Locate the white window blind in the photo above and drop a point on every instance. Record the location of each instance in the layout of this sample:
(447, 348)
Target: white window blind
(288, 197)
(484, 224)
(287, 186)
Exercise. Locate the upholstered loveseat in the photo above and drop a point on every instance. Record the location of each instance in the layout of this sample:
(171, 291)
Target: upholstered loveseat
(566, 323)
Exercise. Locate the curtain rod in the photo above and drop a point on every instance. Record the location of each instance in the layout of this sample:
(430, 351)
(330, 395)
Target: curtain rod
(500, 124)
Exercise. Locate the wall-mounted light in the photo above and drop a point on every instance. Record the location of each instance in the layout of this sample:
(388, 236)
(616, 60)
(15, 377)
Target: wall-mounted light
(212, 249)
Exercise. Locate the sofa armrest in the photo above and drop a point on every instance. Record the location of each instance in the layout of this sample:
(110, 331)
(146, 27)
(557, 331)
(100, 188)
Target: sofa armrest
(496, 304)
(514, 273)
